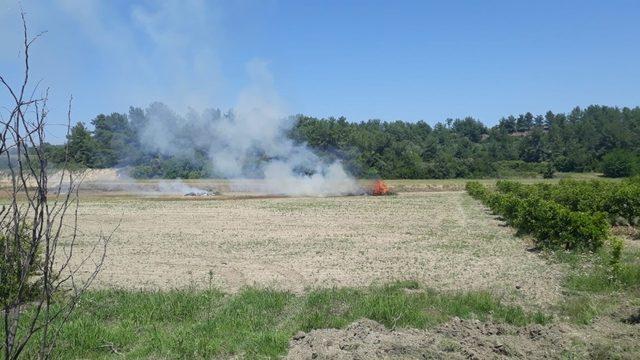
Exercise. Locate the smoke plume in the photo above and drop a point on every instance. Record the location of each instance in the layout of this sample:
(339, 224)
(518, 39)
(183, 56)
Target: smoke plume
(172, 51)
(248, 142)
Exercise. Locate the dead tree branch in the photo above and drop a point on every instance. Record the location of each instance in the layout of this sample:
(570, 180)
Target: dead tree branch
(40, 285)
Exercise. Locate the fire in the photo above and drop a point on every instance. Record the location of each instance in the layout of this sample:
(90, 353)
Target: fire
(379, 188)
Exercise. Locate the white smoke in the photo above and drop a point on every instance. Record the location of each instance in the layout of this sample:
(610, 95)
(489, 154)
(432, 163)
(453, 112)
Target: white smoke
(328, 180)
(170, 51)
(177, 187)
(250, 141)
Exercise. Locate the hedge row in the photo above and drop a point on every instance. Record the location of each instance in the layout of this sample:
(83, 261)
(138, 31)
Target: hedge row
(619, 200)
(553, 225)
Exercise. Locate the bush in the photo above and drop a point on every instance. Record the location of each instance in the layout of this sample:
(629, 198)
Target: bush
(517, 168)
(579, 195)
(582, 231)
(624, 203)
(619, 163)
(476, 190)
(552, 224)
(507, 186)
(556, 227)
(616, 253)
(620, 201)
(10, 264)
(549, 171)
(505, 205)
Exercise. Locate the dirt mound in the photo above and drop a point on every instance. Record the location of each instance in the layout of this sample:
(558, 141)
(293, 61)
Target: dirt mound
(457, 339)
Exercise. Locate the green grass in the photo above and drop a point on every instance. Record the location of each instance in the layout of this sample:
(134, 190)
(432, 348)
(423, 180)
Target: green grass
(255, 323)
(594, 274)
(580, 309)
(593, 287)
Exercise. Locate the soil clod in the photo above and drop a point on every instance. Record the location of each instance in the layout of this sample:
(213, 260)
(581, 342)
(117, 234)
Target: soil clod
(456, 339)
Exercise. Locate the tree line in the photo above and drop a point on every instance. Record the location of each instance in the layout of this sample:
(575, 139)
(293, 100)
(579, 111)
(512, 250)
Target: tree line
(597, 138)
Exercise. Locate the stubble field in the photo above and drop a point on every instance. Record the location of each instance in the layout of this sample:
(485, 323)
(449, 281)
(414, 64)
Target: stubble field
(443, 240)
(428, 271)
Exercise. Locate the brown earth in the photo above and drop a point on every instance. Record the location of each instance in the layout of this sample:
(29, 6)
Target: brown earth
(429, 233)
(464, 339)
(444, 240)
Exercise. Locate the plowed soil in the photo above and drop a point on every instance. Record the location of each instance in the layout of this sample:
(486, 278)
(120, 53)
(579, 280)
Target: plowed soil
(444, 240)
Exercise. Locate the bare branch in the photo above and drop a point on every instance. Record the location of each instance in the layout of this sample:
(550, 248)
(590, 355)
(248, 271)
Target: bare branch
(32, 226)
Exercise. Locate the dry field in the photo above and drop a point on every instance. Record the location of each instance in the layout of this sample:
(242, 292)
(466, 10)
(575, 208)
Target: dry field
(431, 232)
(443, 239)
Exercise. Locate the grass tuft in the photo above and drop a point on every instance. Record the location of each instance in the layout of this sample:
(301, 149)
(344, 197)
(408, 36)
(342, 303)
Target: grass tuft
(594, 286)
(596, 275)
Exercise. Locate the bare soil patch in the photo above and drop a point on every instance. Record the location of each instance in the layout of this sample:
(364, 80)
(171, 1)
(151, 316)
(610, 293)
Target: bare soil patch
(464, 339)
(457, 339)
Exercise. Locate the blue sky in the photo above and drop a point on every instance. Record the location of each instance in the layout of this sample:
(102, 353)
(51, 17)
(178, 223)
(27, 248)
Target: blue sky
(409, 60)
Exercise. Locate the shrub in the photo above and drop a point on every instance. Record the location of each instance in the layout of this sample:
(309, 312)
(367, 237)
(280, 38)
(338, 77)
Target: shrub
(507, 206)
(580, 195)
(582, 231)
(616, 253)
(476, 190)
(518, 168)
(620, 201)
(553, 225)
(507, 186)
(10, 270)
(549, 171)
(624, 203)
(619, 163)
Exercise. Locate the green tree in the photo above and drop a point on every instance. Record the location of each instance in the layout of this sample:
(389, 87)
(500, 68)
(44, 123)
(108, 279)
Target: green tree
(532, 148)
(470, 128)
(81, 146)
(114, 139)
(519, 144)
(619, 163)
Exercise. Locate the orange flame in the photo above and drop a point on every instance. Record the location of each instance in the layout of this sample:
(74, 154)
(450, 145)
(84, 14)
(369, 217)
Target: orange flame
(379, 188)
